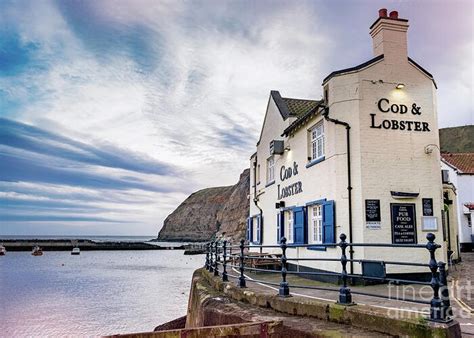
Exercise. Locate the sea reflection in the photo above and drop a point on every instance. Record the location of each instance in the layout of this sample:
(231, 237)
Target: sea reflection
(96, 293)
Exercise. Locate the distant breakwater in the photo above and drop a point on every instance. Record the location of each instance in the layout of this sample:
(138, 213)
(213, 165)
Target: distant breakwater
(83, 244)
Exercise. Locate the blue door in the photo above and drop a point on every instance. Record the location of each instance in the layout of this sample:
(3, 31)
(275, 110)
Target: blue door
(298, 226)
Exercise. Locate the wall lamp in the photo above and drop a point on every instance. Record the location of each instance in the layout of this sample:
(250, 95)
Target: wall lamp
(430, 147)
(400, 86)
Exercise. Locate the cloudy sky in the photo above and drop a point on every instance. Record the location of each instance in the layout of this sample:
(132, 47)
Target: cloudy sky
(112, 112)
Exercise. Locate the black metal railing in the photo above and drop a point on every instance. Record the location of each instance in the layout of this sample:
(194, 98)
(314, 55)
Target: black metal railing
(236, 257)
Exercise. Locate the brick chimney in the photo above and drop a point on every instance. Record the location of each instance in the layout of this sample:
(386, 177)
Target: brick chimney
(389, 37)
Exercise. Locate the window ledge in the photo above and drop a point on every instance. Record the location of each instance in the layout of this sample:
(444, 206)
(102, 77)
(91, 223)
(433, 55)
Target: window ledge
(316, 161)
(270, 183)
(316, 247)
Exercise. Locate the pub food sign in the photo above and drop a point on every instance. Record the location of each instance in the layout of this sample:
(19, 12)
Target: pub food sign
(403, 223)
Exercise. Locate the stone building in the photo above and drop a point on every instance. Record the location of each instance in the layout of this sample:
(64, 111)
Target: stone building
(360, 161)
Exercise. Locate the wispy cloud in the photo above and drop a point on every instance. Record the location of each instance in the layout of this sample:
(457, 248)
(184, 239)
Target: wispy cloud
(22, 136)
(123, 101)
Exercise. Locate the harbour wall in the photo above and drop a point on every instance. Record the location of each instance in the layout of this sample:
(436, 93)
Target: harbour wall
(83, 244)
(212, 302)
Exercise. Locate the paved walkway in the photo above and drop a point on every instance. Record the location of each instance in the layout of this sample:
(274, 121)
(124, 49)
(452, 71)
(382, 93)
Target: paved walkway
(461, 293)
(462, 290)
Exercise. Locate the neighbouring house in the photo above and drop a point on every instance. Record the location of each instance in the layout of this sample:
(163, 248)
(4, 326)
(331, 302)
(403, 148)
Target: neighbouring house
(458, 171)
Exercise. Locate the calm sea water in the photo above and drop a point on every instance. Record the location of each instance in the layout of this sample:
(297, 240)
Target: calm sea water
(95, 293)
(91, 237)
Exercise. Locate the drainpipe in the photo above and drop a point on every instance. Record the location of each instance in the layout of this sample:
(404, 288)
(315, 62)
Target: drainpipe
(255, 200)
(349, 186)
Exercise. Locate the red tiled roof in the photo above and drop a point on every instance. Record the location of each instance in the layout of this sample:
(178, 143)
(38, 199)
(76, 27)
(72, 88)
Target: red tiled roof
(464, 162)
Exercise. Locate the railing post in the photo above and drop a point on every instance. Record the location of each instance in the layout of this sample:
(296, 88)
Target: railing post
(207, 256)
(224, 263)
(345, 296)
(436, 313)
(447, 311)
(216, 259)
(284, 290)
(211, 262)
(242, 283)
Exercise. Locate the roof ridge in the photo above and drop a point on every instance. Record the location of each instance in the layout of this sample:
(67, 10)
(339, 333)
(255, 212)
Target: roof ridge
(458, 153)
(292, 98)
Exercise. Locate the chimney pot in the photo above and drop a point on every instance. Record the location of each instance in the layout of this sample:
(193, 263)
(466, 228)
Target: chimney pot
(382, 13)
(393, 15)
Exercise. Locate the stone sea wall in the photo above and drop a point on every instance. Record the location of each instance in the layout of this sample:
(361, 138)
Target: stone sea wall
(212, 302)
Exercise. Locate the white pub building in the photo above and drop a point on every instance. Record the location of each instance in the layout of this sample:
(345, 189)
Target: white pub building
(355, 162)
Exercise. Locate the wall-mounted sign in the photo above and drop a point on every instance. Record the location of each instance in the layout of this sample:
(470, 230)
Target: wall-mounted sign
(429, 223)
(403, 223)
(292, 189)
(385, 106)
(372, 214)
(427, 206)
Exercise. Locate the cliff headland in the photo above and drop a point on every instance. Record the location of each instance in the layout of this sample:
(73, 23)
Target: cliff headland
(210, 212)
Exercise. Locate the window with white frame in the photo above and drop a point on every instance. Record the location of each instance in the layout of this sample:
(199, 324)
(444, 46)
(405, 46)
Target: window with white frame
(255, 229)
(289, 226)
(270, 169)
(317, 141)
(316, 225)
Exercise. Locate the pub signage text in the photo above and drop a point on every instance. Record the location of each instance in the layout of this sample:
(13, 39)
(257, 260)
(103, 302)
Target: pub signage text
(385, 106)
(372, 214)
(403, 223)
(292, 189)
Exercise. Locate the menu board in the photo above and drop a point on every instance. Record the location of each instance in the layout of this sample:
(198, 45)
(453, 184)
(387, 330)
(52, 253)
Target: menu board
(427, 206)
(372, 214)
(403, 223)
(372, 210)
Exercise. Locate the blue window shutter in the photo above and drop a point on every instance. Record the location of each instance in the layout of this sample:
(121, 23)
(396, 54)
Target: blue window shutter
(278, 228)
(305, 216)
(259, 228)
(282, 224)
(247, 234)
(329, 224)
(251, 229)
(298, 225)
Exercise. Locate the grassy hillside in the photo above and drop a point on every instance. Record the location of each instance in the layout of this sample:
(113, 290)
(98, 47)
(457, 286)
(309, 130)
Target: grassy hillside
(457, 139)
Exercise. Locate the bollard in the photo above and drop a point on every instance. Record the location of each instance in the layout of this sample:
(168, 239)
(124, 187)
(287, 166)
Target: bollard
(207, 257)
(216, 259)
(436, 304)
(211, 263)
(284, 290)
(242, 283)
(447, 311)
(224, 263)
(345, 296)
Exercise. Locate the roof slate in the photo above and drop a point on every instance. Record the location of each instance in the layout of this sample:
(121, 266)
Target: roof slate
(302, 118)
(464, 162)
(298, 107)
